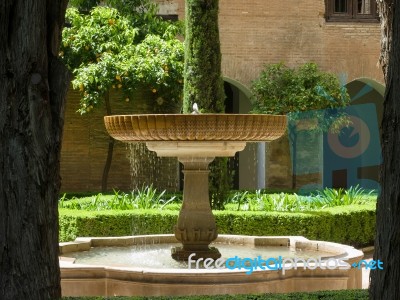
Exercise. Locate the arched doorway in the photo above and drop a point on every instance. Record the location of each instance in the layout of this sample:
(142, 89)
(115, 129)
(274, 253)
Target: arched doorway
(248, 167)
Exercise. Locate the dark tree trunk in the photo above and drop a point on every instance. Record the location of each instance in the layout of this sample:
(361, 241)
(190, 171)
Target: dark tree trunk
(33, 86)
(385, 283)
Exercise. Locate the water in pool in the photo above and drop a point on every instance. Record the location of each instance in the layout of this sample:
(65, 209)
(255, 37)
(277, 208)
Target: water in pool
(159, 255)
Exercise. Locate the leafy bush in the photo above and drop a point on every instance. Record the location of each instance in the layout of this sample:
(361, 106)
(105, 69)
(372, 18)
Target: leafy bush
(281, 90)
(105, 50)
(352, 224)
(74, 223)
(141, 13)
(260, 200)
(147, 198)
(337, 197)
(284, 202)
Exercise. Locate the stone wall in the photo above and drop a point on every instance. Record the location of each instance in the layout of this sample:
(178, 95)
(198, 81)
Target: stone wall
(258, 32)
(85, 146)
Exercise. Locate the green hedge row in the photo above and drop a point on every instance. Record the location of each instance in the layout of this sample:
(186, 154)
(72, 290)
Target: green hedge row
(322, 295)
(352, 225)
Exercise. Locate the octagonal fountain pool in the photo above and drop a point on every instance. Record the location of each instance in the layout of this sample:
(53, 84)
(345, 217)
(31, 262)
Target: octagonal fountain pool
(143, 266)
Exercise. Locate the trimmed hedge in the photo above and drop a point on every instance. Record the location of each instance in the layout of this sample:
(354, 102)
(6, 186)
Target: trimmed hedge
(79, 223)
(352, 225)
(322, 295)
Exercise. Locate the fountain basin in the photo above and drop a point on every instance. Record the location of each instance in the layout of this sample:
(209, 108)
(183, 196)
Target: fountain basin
(110, 280)
(190, 127)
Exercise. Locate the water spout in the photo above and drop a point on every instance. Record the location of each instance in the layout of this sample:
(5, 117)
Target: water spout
(195, 109)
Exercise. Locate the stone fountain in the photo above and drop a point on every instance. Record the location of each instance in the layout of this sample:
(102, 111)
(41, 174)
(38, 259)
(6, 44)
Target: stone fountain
(196, 139)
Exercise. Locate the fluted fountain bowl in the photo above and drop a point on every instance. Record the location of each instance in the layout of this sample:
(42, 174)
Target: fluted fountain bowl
(195, 127)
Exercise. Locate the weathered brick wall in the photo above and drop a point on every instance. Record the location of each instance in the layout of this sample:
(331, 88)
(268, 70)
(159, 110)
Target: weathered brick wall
(85, 145)
(254, 33)
(294, 32)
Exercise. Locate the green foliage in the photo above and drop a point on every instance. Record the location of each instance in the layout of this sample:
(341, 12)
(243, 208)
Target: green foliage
(146, 198)
(149, 198)
(75, 223)
(220, 182)
(104, 30)
(83, 5)
(284, 202)
(303, 93)
(349, 225)
(281, 90)
(353, 224)
(103, 51)
(203, 81)
(142, 14)
(337, 197)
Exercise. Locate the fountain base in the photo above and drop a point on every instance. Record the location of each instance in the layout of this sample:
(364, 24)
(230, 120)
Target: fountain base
(122, 280)
(178, 253)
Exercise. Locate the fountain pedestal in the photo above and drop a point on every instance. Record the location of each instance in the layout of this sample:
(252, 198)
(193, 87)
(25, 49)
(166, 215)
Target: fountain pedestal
(196, 227)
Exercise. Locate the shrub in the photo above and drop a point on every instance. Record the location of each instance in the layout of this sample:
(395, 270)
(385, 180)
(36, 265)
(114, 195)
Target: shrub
(146, 198)
(353, 224)
(337, 197)
(74, 223)
(284, 202)
(281, 90)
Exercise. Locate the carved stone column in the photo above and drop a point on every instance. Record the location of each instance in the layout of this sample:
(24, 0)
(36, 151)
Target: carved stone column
(196, 227)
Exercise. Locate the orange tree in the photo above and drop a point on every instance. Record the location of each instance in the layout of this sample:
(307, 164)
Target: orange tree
(302, 93)
(103, 53)
(106, 49)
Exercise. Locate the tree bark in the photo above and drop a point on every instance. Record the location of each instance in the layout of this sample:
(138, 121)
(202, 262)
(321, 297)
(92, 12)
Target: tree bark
(385, 283)
(33, 87)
